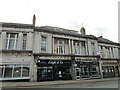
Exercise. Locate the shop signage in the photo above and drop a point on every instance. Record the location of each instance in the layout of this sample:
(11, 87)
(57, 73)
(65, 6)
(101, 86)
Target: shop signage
(55, 62)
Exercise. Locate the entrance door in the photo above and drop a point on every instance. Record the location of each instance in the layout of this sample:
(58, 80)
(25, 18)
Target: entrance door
(62, 73)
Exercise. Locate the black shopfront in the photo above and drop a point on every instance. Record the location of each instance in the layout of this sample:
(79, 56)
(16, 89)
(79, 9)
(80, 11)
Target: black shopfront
(53, 70)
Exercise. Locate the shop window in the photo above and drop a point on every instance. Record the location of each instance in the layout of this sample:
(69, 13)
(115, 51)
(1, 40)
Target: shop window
(1, 71)
(24, 41)
(44, 72)
(25, 71)
(12, 41)
(17, 72)
(8, 70)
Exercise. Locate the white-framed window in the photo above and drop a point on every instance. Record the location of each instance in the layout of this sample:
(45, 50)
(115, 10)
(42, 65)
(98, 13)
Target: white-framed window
(12, 41)
(43, 43)
(60, 46)
(24, 41)
(83, 48)
(77, 47)
(14, 70)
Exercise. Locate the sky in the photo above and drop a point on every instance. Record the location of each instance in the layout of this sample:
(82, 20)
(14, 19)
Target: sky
(98, 17)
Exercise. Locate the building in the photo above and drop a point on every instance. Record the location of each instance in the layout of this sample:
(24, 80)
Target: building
(52, 53)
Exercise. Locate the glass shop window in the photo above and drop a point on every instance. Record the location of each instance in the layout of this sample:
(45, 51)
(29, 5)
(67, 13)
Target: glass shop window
(8, 70)
(1, 71)
(17, 71)
(25, 71)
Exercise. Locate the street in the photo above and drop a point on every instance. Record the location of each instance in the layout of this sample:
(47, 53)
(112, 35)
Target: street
(98, 84)
(111, 84)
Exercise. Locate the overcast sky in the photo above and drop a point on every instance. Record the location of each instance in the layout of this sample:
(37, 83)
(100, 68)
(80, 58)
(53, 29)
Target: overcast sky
(99, 17)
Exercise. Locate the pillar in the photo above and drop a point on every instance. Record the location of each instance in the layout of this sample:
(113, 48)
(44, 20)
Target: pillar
(20, 41)
(3, 40)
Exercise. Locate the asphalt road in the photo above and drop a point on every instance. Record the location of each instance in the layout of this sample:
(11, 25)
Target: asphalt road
(94, 85)
(98, 84)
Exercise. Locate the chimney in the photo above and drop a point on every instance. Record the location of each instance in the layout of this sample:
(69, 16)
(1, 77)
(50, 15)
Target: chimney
(82, 31)
(34, 19)
(100, 37)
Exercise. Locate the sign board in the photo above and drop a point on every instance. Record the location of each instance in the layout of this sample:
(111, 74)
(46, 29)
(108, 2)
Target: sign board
(99, 52)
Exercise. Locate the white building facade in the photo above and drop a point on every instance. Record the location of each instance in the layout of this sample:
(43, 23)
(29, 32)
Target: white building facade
(51, 53)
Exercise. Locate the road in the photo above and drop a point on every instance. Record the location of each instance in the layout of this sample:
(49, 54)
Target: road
(94, 84)
(98, 84)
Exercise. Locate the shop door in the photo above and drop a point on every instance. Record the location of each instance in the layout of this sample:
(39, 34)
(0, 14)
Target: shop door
(62, 73)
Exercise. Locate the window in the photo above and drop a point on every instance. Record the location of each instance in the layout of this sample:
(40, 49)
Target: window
(24, 41)
(77, 47)
(17, 71)
(1, 70)
(8, 70)
(14, 70)
(83, 49)
(12, 41)
(60, 47)
(43, 44)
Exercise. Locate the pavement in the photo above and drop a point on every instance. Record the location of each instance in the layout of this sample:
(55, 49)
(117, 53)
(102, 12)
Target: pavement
(48, 83)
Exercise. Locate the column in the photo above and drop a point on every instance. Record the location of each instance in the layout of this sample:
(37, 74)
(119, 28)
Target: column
(3, 40)
(33, 70)
(29, 41)
(80, 49)
(36, 42)
(104, 52)
(20, 41)
(73, 49)
(49, 43)
(69, 46)
(53, 45)
(86, 48)
(111, 54)
(100, 67)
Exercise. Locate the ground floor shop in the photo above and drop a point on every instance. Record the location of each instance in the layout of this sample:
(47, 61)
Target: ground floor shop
(87, 68)
(110, 69)
(53, 70)
(14, 71)
(16, 66)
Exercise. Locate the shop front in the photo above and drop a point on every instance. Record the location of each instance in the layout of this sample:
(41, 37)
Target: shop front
(87, 70)
(110, 69)
(53, 70)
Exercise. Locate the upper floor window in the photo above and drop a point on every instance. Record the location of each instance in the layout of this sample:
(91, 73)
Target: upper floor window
(24, 41)
(43, 43)
(83, 48)
(12, 41)
(77, 47)
(59, 46)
